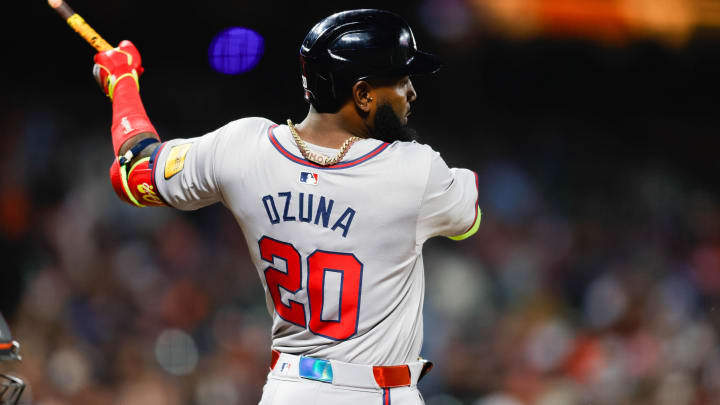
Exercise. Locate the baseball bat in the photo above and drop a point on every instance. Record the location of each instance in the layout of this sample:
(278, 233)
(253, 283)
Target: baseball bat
(79, 25)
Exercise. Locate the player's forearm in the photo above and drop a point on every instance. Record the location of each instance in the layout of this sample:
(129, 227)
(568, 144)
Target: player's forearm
(118, 71)
(131, 124)
(134, 140)
(130, 121)
(133, 136)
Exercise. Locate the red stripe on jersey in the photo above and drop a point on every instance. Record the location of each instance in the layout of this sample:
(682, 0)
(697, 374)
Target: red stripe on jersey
(154, 161)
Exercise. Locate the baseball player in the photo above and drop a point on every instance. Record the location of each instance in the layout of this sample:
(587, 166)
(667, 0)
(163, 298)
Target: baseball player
(335, 209)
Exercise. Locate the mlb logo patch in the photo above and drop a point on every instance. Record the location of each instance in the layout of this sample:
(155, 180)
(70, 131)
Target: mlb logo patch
(309, 178)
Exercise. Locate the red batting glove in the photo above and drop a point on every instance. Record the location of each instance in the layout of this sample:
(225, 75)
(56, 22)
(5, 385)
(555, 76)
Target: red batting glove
(117, 64)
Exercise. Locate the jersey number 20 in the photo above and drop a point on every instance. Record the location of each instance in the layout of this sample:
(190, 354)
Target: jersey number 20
(319, 263)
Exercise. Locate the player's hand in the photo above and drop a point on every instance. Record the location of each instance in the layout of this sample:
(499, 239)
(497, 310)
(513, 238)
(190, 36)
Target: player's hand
(117, 64)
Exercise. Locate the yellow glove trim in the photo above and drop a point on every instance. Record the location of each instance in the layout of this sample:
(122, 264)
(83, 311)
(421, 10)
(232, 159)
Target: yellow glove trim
(105, 69)
(472, 229)
(113, 83)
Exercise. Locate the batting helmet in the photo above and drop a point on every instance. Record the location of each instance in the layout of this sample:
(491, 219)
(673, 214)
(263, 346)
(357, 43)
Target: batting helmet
(355, 45)
(11, 388)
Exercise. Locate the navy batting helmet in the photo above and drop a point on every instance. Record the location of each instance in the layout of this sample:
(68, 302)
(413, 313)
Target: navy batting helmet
(355, 45)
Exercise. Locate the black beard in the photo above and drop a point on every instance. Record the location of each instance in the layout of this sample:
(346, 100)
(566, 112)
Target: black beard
(388, 128)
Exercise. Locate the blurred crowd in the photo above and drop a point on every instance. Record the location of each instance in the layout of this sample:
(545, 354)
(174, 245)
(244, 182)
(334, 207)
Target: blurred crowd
(617, 304)
(565, 295)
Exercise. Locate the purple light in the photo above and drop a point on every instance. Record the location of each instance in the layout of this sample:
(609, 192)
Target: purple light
(235, 50)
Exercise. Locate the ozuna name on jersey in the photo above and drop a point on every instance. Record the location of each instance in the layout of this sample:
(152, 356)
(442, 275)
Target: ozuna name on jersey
(306, 207)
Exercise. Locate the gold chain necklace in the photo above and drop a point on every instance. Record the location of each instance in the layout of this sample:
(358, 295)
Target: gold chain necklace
(318, 158)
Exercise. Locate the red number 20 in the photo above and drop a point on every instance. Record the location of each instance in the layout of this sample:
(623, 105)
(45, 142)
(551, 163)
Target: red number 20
(319, 263)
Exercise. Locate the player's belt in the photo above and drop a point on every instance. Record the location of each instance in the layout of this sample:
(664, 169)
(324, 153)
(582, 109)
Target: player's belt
(348, 374)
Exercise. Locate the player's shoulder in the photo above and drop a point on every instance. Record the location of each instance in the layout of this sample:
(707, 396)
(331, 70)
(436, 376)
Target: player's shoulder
(243, 133)
(248, 126)
(410, 161)
(413, 151)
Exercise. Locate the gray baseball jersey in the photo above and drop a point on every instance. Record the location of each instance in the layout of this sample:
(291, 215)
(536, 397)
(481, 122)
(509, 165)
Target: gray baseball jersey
(338, 249)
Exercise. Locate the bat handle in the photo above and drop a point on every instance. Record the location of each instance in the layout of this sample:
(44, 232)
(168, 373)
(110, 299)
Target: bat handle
(79, 25)
(86, 31)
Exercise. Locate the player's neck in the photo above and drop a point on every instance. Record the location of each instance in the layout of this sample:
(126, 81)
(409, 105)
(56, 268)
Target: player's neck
(330, 130)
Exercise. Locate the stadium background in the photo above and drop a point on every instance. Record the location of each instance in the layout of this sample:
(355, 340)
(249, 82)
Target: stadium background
(594, 278)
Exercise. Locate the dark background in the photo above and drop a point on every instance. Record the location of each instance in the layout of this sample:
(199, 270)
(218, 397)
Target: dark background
(598, 165)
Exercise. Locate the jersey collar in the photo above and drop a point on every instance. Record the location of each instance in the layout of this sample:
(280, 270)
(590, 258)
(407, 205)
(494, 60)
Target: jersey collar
(276, 133)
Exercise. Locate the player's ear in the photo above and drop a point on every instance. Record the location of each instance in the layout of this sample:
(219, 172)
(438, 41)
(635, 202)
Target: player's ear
(363, 95)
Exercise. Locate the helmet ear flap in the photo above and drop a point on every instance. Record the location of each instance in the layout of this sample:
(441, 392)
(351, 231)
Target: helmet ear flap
(320, 91)
(326, 89)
